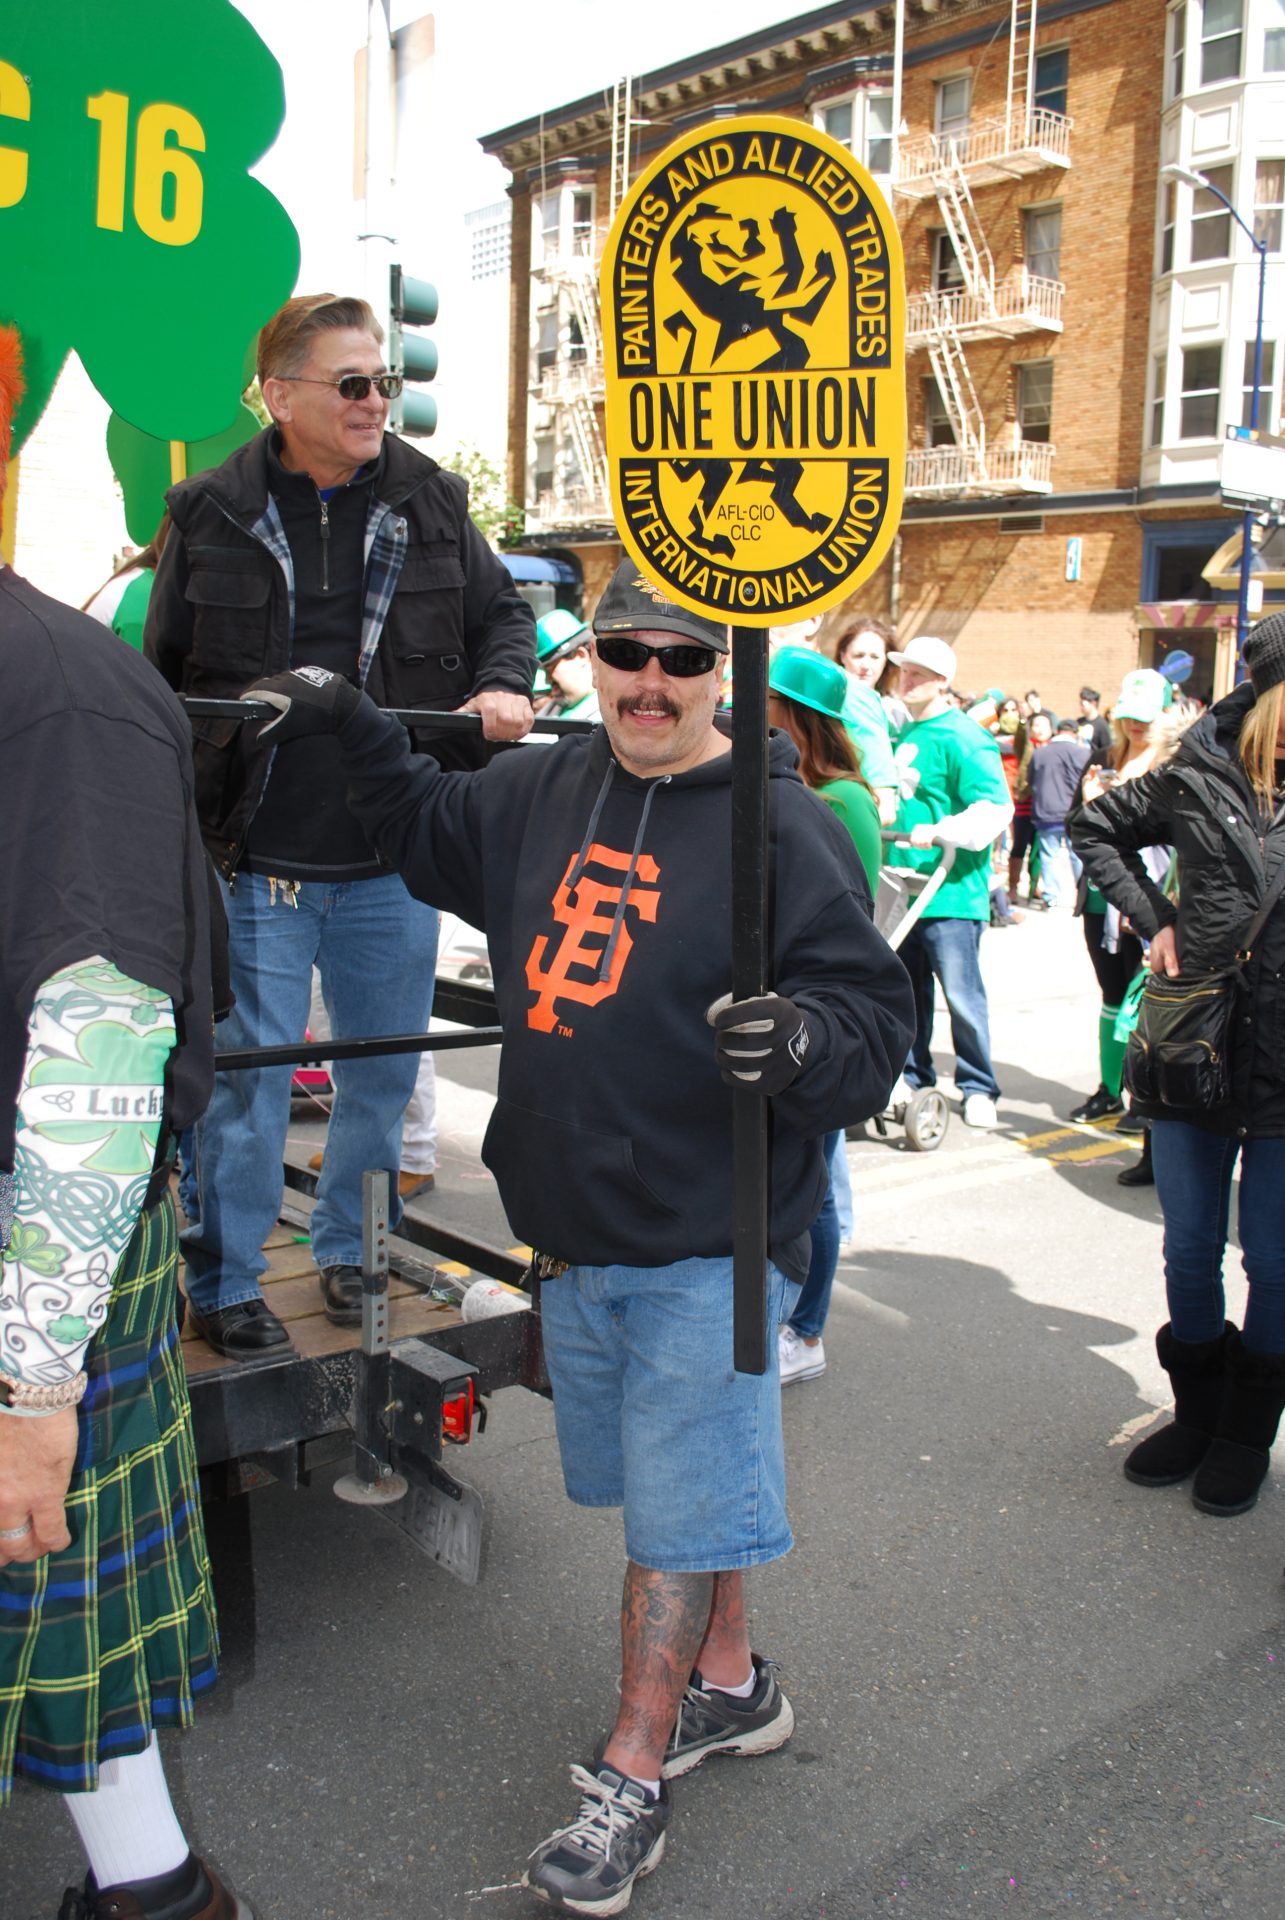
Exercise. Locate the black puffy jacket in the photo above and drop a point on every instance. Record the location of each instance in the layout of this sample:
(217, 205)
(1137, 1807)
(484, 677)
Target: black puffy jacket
(1229, 852)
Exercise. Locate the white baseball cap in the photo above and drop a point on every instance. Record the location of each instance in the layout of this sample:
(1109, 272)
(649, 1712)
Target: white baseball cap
(933, 655)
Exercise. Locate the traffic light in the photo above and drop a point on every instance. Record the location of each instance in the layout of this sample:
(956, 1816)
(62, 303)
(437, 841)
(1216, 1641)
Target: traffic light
(412, 303)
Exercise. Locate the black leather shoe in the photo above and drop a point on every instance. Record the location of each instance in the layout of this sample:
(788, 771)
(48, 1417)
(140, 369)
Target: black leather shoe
(341, 1295)
(1098, 1105)
(243, 1332)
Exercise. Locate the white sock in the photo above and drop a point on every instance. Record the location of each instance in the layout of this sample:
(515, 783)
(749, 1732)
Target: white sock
(742, 1692)
(128, 1828)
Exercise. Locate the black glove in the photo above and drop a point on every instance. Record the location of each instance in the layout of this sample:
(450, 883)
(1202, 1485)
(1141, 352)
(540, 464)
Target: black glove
(759, 1043)
(310, 699)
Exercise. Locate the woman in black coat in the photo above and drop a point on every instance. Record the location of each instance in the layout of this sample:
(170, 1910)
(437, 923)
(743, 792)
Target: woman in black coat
(1220, 803)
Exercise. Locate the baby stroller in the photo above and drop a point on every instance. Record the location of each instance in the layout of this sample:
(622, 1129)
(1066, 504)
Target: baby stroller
(901, 897)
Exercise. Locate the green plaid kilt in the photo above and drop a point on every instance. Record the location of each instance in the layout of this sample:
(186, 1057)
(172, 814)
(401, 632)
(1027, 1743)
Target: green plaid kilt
(116, 1634)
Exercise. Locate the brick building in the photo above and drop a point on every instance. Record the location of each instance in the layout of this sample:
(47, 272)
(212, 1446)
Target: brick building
(1077, 319)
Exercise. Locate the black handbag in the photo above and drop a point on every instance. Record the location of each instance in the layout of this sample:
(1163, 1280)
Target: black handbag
(1179, 1054)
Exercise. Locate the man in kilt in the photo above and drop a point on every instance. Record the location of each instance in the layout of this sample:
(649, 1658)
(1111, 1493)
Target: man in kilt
(107, 1624)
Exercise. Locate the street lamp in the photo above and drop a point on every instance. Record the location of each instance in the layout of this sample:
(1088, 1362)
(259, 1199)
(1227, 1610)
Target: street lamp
(1198, 180)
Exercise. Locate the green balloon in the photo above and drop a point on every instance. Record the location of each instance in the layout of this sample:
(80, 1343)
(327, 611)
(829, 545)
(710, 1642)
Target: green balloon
(143, 466)
(130, 228)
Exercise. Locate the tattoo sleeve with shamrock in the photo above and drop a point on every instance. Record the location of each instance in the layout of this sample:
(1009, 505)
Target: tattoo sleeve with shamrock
(89, 1114)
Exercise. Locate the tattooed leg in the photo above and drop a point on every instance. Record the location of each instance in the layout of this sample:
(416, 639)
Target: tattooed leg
(663, 1619)
(724, 1657)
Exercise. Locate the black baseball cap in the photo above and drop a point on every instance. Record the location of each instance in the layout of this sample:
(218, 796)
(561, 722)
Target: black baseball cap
(632, 604)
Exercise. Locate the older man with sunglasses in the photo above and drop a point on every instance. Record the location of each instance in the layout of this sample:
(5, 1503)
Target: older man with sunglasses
(327, 544)
(601, 871)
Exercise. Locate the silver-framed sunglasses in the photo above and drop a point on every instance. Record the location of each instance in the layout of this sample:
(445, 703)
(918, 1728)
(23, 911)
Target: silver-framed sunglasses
(352, 386)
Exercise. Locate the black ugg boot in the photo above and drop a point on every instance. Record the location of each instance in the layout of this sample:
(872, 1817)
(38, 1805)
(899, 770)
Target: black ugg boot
(1141, 1173)
(1196, 1373)
(1236, 1464)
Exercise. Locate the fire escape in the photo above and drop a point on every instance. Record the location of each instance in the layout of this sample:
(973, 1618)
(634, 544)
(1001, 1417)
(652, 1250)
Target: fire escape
(944, 320)
(569, 391)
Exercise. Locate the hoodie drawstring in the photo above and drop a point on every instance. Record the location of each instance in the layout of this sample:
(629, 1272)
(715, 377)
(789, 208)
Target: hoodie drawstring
(582, 860)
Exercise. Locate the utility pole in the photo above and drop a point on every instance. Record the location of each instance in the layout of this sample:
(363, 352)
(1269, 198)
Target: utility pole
(379, 242)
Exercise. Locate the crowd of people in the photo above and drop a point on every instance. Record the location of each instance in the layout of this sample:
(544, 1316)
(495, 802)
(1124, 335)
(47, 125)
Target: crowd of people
(187, 873)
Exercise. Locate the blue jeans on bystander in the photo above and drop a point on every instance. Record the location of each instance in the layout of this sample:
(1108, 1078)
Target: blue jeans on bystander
(951, 949)
(812, 1308)
(376, 949)
(1193, 1181)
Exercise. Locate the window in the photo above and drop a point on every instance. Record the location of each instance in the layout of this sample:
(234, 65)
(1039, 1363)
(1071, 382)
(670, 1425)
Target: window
(1035, 400)
(543, 464)
(1043, 242)
(576, 353)
(1051, 71)
(489, 240)
(1202, 373)
(1210, 219)
(938, 428)
(1177, 48)
(863, 124)
(1168, 221)
(582, 224)
(1269, 201)
(954, 99)
(1274, 39)
(1265, 379)
(948, 275)
(546, 343)
(1220, 31)
(549, 213)
(1157, 435)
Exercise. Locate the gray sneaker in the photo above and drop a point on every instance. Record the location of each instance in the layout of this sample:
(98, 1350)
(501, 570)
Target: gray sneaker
(617, 1837)
(714, 1722)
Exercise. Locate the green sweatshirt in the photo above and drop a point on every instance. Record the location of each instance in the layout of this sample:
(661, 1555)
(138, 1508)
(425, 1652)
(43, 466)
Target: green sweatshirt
(947, 764)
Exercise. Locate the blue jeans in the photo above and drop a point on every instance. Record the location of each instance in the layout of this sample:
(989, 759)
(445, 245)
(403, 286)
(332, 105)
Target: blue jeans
(1193, 1181)
(812, 1307)
(841, 1185)
(376, 951)
(951, 950)
(1056, 856)
(652, 1416)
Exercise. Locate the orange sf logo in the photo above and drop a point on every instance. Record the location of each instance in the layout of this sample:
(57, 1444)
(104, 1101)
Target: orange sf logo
(587, 914)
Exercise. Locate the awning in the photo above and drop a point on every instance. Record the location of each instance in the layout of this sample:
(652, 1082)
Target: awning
(1268, 563)
(1179, 614)
(527, 568)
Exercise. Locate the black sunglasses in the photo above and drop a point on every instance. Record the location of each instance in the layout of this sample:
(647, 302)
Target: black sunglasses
(353, 386)
(631, 656)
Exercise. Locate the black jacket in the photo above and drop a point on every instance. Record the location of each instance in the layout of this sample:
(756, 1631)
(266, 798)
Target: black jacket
(219, 615)
(611, 1140)
(1202, 805)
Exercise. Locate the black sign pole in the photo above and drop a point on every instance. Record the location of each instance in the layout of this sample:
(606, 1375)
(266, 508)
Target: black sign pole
(749, 977)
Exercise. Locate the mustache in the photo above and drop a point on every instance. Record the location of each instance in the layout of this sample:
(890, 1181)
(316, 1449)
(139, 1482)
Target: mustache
(648, 702)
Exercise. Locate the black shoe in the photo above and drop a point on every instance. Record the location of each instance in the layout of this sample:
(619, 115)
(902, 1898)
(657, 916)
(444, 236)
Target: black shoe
(1236, 1464)
(1097, 1106)
(341, 1295)
(243, 1332)
(617, 1837)
(710, 1721)
(1196, 1373)
(191, 1892)
(1131, 1122)
(1141, 1173)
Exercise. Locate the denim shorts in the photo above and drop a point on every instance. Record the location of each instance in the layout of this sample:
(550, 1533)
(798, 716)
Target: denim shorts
(653, 1417)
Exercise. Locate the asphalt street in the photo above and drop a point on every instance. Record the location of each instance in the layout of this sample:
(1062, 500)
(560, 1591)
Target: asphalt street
(1022, 1685)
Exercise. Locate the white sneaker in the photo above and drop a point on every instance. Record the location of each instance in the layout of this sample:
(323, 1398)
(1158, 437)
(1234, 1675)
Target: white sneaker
(798, 1360)
(980, 1111)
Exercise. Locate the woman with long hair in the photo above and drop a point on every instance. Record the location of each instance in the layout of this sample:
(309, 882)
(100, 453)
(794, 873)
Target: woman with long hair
(1219, 803)
(862, 649)
(1140, 740)
(805, 699)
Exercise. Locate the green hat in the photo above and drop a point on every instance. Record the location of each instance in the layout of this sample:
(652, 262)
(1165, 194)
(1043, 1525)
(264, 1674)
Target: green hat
(632, 605)
(559, 632)
(809, 678)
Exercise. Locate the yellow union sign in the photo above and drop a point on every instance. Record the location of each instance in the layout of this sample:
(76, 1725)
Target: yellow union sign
(753, 306)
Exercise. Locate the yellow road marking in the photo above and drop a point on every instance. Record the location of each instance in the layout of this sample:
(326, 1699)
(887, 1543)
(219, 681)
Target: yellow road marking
(520, 1253)
(1100, 1150)
(453, 1268)
(1030, 1140)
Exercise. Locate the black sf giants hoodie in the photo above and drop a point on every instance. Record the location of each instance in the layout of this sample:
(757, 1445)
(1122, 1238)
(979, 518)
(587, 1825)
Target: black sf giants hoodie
(606, 902)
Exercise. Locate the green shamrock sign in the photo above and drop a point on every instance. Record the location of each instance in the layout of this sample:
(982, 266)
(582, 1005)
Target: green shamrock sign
(130, 227)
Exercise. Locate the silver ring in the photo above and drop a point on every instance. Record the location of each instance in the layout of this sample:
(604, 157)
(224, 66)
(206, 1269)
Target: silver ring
(16, 1533)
